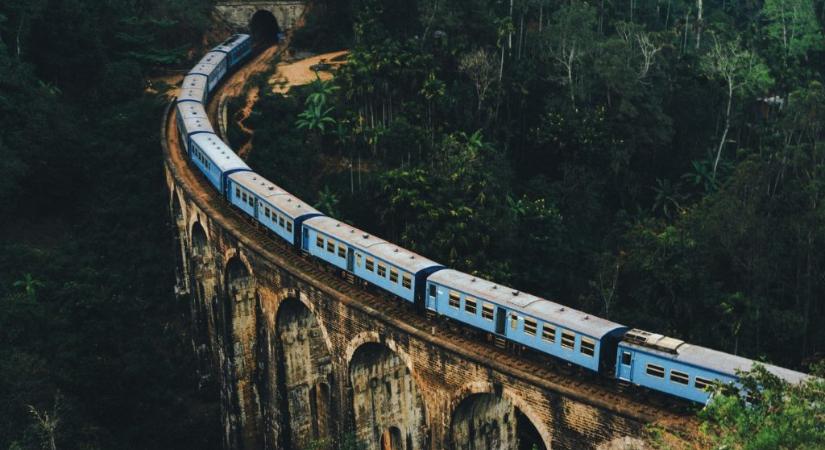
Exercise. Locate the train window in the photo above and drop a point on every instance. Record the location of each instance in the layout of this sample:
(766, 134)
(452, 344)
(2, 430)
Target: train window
(455, 300)
(568, 340)
(319, 242)
(382, 270)
(530, 326)
(432, 290)
(679, 377)
(627, 358)
(289, 226)
(251, 201)
(237, 192)
(281, 221)
(266, 212)
(588, 346)
(703, 384)
(358, 259)
(342, 252)
(394, 275)
(406, 281)
(513, 321)
(548, 333)
(243, 196)
(331, 246)
(370, 264)
(470, 305)
(487, 311)
(655, 371)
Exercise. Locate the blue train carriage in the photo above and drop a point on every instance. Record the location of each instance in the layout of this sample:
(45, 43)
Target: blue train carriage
(193, 89)
(374, 260)
(191, 120)
(214, 67)
(273, 207)
(525, 319)
(237, 48)
(677, 368)
(216, 160)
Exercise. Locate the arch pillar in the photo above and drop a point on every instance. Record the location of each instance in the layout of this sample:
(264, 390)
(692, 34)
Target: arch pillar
(385, 400)
(240, 392)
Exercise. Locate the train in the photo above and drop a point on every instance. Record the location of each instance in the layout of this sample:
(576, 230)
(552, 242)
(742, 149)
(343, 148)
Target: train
(605, 348)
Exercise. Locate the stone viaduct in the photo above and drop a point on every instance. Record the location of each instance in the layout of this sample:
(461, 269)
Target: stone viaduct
(301, 356)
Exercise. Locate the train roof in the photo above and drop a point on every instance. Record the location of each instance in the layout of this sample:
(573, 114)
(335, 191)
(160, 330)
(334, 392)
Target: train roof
(372, 245)
(695, 355)
(192, 110)
(527, 304)
(218, 152)
(194, 81)
(191, 95)
(231, 43)
(273, 194)
(208, 63)
(196, 125)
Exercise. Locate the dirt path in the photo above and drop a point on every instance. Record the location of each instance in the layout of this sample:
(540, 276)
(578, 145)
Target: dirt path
(299, 72)
(288, 74)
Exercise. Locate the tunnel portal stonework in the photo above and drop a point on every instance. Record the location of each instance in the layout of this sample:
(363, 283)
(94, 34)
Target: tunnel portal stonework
(300, 356)
(239, 13)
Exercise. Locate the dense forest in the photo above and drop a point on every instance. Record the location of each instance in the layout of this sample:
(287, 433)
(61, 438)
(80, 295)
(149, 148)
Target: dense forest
(657, 162)
(94, 347)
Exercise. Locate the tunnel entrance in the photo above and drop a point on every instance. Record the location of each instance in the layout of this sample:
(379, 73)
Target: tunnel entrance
(264, 28)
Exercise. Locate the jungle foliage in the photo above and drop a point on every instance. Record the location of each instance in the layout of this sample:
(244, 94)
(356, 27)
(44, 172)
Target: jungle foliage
(94, 347)
(657, 162)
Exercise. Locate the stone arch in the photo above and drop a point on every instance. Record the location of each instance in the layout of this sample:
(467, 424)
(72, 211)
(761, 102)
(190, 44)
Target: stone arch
(485, 416)
(264, 27)
(177, 209)
(200, 243)
(294, 293)
(391, 439)
(305, 372)
(181, 261)
(384, 394)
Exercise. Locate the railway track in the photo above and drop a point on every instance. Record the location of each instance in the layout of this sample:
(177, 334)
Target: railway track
(552, 377)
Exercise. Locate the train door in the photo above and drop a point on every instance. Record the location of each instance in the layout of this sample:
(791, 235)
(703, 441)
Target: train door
(501, 321)
(626, 365)
(431, 297)
(305, 239)
(350, 259)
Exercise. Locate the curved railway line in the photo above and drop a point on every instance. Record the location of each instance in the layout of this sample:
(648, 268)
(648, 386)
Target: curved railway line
(645, 408)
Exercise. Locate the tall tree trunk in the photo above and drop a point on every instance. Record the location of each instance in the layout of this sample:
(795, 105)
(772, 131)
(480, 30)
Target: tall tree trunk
(699, 23)
(18, 38)
(727, 128)
(569, 65)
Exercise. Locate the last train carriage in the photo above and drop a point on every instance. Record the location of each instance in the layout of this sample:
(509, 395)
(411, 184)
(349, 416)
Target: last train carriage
(652, 361)
(677, 368)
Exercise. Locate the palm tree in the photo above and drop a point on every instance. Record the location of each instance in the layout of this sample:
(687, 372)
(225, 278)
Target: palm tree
(316, 117)
(327, 202)
(29, 285)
